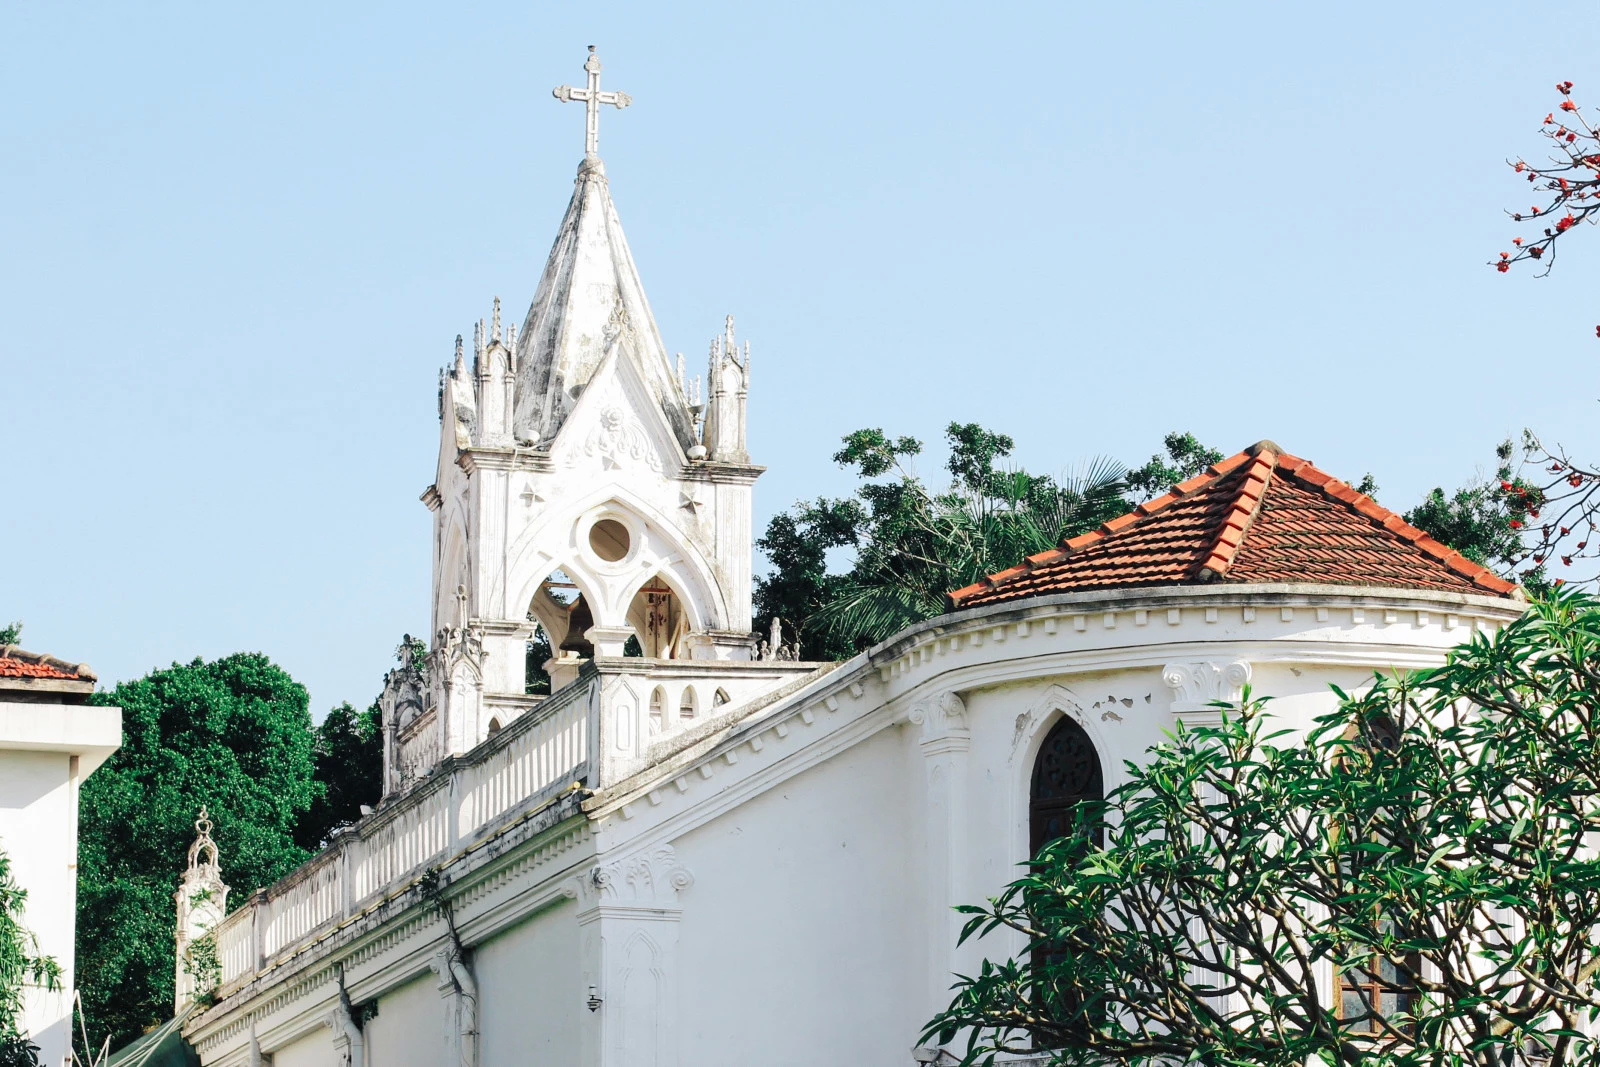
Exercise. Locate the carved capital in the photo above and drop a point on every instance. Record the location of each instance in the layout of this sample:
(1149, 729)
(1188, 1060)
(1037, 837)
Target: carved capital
(651, 879)
(941, 716)
(1197, 685)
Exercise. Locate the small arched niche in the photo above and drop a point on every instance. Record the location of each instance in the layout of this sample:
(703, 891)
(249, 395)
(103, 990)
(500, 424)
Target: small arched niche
(658, 710)
(719, 699)
(687, 704)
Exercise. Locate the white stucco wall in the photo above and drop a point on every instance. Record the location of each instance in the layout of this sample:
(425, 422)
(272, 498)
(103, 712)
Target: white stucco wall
(38, 831)
(409, 1027)
(314, 1049)
(45, 752)
(532, 998)
(797, 944)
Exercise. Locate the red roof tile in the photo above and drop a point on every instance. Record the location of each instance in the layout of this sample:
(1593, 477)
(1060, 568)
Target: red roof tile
(15, 663)
(1259, 516)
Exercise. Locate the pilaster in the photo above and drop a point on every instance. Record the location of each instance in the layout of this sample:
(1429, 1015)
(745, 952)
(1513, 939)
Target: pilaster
(946, 747)
(628, 920)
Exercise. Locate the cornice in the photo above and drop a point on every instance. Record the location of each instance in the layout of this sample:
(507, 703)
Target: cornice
(722, 473)
(430, 496)
(490, 458)
(553, 837)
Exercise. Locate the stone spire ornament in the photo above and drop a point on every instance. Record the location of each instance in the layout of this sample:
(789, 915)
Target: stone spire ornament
(202, 902)
(590, 302)
(591, 98)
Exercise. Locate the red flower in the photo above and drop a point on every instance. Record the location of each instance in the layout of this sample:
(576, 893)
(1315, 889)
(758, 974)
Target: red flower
(1571, 137)
(1516, 525)
(1577, 479)
(1564, 223)
(1505, 485)
(1517, 241)
(1566, 561)
(1561, 581)
(1548, 119)
(1535, 251)
(1538, 559)
(1502, 266)
(1565, 531)
(1567, 105)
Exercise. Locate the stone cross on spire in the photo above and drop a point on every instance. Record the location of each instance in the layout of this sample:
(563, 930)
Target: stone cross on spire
(592, 98)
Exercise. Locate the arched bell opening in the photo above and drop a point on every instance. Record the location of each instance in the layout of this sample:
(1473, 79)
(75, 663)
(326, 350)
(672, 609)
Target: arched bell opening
(562, 616)
(659, 621)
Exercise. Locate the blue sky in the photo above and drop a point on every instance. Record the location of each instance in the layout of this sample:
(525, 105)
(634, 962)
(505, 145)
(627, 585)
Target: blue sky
(238, 244)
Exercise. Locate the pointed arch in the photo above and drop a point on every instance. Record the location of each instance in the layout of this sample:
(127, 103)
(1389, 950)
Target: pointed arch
(688, 704)
(1067, 773)
(554, 542)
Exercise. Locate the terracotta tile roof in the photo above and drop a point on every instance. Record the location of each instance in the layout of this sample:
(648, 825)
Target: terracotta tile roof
(1259, 516)
(15, 663)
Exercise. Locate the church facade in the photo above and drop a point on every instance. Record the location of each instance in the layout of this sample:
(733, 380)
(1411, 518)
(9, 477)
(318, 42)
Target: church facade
(707, 852)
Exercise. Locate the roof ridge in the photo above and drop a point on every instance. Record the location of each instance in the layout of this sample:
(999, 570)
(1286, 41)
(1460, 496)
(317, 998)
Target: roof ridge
(1314, 478)
(1236, 521)
(1186, 488)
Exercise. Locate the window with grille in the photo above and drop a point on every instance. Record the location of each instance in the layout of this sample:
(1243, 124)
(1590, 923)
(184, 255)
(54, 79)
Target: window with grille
(1065, 775)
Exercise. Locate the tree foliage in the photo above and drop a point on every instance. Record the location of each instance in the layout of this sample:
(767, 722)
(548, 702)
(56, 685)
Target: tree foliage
(1185, 458)
(1243, 865)
(11, 633)
(21, 965)
(234, 735)
(347, 768)
(907, 544)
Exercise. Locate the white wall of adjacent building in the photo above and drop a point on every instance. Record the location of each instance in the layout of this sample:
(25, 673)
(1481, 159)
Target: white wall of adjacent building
(46, 751)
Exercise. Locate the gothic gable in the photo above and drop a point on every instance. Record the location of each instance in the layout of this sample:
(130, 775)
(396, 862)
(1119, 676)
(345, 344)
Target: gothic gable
(617, 428)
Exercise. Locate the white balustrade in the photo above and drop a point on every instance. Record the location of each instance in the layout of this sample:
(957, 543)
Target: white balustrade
(552, 752)
(535, 756)
(236, 944)
(310, 900)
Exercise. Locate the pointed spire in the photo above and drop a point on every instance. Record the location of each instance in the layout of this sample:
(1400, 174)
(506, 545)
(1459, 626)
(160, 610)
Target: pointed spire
(494, 334)
(590, 304)
(461, 358)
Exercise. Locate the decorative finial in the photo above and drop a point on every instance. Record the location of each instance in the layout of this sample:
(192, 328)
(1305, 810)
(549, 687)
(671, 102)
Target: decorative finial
(203, 853)
(477, 340)
(591, 97)
(494, 334)
(461, 358)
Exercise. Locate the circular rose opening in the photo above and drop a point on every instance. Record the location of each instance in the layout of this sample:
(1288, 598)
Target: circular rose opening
(609, 539)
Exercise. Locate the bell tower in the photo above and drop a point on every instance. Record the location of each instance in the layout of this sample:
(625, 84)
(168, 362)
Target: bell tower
(584, 488)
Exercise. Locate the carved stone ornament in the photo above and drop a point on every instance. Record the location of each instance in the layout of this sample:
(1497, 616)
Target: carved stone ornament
(1195, 686)
(651, 879)
(940, 716)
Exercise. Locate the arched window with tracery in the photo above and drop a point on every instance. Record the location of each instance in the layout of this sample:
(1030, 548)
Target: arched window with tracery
(1066, 773)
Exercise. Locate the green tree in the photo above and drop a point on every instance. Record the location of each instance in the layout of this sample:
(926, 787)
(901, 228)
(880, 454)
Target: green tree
(1486, 520)
(909, 545)
(347, 765)
(11, 633)
(21, 965)
(1185, 458)
(1240, 861)
(234, 735)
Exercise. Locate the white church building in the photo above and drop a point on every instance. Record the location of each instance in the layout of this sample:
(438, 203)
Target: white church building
(711, 854)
